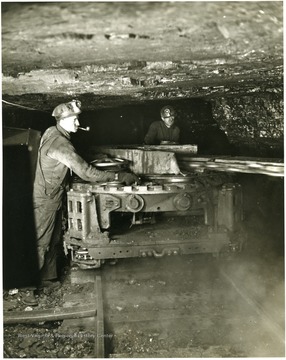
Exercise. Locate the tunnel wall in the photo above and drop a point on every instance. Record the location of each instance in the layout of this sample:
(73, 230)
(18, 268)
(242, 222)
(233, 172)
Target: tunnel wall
(242, 125)
(252, 123)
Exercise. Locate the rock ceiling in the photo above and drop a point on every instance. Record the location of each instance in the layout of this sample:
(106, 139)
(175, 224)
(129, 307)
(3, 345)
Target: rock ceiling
(130, 52)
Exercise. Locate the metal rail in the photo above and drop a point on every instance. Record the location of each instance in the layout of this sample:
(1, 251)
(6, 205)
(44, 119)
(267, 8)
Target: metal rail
(63, 313)
(99, 348)
(27, 317)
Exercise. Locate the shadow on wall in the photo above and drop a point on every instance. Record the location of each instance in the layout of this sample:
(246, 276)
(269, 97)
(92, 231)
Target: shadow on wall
(20, 261)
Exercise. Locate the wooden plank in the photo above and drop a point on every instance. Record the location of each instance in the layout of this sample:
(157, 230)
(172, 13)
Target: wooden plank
(185, 149)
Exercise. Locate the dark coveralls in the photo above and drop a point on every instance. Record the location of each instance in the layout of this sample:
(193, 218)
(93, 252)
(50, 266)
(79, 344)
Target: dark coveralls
(56, 156)
(158, 132)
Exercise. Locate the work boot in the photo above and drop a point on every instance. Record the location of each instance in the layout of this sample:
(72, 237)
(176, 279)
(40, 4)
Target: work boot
(28, 297)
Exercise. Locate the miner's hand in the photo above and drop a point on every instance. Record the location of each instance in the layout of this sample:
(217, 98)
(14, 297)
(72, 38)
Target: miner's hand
(127, 177)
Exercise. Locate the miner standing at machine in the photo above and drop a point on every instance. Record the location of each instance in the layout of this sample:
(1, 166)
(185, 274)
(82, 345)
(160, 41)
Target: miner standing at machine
(57, 158)
(163, 132)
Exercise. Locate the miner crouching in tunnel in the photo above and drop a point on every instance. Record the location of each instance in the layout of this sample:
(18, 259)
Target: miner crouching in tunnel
(57, 158)
(164, 131)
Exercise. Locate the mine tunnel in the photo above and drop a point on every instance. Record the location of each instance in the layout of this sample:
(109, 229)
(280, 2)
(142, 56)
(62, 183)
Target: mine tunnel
(187, 261)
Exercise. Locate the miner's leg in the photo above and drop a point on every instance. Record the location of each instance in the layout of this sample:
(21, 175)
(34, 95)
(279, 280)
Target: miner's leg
(49, 270)
(45, 223)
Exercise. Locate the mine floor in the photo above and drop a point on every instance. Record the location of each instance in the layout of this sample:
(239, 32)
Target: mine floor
(177, 306)
(194, 306)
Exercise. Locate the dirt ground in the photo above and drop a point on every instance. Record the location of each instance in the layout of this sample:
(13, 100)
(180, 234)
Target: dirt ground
(194, 310)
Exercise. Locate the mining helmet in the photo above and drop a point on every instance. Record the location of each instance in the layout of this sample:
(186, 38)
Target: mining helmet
(67, 109)
(167, 111)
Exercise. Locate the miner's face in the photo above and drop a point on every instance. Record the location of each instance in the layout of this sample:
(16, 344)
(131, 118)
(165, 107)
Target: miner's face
(70, 123)
(168, 120)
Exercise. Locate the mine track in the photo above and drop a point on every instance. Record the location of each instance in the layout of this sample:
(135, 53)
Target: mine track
(170, 307)
(91, 310)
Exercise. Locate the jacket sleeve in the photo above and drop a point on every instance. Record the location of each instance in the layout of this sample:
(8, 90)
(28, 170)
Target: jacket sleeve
(151, 136)
(64, 152)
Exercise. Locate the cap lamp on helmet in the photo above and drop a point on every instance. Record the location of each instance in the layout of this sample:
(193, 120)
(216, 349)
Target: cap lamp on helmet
(67, 109)
(167, 111)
